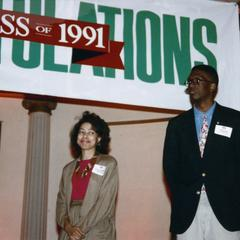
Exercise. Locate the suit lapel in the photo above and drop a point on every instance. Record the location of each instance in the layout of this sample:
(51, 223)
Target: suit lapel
(69, 180)
(192, 133)
(216, 118)
(92, 190)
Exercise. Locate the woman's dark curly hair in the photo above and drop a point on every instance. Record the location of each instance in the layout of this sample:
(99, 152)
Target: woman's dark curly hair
(99, 126)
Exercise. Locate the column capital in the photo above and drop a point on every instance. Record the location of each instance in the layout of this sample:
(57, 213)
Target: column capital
(39, 105)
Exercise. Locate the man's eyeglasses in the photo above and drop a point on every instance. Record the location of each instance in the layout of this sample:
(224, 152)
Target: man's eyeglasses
(196, 81)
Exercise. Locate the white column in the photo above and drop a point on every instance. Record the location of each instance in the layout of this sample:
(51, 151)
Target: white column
(34, 215)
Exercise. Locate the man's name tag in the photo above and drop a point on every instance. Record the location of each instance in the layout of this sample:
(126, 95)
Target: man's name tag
(99, 169)
(223, 130)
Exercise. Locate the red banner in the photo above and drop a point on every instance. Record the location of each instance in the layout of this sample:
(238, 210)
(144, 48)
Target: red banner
(90, 39)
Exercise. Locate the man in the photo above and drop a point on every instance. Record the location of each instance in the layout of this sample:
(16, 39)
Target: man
(201, 162)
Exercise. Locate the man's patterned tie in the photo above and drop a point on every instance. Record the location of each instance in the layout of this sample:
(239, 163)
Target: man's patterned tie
(203, 135)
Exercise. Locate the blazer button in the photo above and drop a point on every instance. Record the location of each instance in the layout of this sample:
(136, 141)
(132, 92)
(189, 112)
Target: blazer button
(198, 192)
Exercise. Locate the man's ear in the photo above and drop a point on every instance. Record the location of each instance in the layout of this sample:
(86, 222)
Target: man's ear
(213, 87)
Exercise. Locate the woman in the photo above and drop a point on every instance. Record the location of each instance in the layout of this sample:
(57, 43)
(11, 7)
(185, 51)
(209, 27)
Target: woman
(86, 200)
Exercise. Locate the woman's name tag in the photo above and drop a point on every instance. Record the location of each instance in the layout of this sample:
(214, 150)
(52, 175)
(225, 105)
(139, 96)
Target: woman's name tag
(99, 169)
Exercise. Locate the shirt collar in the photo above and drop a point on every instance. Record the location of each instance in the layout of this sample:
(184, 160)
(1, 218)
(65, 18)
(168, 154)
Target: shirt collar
(208, 113)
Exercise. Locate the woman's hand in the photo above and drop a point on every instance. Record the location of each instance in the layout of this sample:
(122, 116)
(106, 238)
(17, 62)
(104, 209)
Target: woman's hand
(74, 232)
(77, 234)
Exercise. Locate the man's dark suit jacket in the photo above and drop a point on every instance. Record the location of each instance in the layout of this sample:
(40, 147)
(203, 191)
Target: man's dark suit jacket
(218, 170)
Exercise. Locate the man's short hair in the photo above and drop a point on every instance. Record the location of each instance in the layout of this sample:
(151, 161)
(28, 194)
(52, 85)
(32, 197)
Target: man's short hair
(211, 71)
